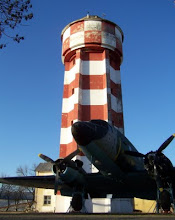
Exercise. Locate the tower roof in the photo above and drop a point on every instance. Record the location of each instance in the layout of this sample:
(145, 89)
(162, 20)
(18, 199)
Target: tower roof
(93, 18)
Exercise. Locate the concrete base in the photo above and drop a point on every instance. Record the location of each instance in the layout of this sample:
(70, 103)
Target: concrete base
(109, 205)
(121, 206)
(105, 205)
(62, 203)
(98, 205)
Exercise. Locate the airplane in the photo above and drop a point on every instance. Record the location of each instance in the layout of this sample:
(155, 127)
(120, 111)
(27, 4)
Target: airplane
(123, 171)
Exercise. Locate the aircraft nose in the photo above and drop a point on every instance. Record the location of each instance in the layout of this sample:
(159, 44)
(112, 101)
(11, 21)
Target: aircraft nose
(85, 132)
(82, 133)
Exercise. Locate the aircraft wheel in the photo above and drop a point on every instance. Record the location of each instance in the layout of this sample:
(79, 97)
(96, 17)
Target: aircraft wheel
(165, 200)
(77, 202)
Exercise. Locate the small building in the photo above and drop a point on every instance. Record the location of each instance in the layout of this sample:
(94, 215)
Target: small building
(45, 198)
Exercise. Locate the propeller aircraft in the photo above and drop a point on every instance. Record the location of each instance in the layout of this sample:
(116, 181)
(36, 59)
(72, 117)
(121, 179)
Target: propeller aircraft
(123, 171)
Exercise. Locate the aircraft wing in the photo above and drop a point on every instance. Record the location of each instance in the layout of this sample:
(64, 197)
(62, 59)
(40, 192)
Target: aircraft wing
(31, 181)
(96, 185)
(137, 184)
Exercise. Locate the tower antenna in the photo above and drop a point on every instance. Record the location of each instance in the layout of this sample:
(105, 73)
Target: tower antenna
(103, 15)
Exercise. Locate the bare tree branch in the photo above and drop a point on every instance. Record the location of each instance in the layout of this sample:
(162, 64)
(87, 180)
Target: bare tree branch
(18, 193)
(26, 171)
(12, 14)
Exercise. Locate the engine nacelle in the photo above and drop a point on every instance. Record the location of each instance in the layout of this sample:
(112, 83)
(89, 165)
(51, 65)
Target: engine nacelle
(72, 175)
(61, 165)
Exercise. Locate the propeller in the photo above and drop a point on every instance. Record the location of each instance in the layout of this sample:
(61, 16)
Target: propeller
(159, 167)
(160, 149)
(155, 162)
(46, 158)
(166, 143)
(59, 164)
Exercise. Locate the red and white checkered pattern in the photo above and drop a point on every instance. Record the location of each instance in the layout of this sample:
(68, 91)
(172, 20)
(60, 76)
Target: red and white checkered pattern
(92, 54)
(82, 33)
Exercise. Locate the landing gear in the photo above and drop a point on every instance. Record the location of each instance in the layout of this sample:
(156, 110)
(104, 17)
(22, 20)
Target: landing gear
(78, 203)
(165, 200)
(160, 168)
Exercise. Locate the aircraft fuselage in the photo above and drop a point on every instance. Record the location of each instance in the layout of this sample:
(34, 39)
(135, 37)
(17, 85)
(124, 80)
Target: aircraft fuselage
(105, 146)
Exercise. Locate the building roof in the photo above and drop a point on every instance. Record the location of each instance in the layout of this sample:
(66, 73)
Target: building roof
(44, 167)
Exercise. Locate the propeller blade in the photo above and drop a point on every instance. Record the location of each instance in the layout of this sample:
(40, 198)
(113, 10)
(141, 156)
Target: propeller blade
(69, 157)
(134, 154)
(166, 143)
(46, 158)
(58, 164)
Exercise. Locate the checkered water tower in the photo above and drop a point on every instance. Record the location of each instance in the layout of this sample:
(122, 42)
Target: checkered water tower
(92, 55)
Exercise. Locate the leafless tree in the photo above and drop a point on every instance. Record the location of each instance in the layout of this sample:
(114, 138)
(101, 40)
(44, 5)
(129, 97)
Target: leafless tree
(18, 193)
(26, 171)
(13, 13)
(6, 192)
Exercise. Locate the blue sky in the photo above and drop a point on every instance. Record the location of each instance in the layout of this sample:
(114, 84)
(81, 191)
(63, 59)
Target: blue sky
(31, 77)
